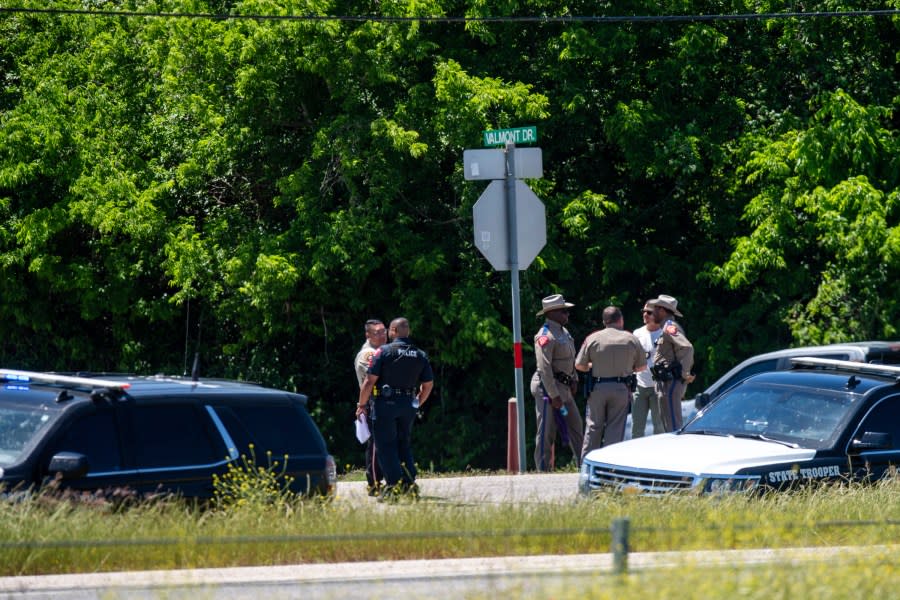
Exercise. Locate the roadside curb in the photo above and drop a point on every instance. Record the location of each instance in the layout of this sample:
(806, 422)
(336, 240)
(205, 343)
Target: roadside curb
(596, 564)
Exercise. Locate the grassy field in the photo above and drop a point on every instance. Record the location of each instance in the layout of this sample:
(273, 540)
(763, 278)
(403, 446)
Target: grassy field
(875, 576)
(43, 535)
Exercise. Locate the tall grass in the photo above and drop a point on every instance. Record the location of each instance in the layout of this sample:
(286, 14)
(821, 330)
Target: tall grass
(46, 535)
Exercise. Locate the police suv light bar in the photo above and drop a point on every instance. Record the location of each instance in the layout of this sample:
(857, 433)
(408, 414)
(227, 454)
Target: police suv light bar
(90, 382)
(847, 365)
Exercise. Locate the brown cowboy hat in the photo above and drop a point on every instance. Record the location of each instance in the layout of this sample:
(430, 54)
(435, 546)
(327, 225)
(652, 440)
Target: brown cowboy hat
(554, 302)
(667, 302)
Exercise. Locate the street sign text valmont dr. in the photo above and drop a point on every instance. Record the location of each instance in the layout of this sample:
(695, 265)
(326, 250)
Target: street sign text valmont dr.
(519, 135)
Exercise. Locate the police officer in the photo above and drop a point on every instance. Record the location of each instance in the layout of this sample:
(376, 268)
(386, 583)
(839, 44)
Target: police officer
(376, 336)
(611, 356)
(554, 383)
(672, 361)
(404, 379)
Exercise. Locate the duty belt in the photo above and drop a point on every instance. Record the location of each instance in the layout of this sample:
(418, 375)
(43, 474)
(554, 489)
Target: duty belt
(630, 381)
(666, 373)
(388, 391)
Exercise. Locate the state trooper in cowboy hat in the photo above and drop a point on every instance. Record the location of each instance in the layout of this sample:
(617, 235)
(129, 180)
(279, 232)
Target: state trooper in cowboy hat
(554, 302)
(554, 383)
(673, 360)
(667, 302)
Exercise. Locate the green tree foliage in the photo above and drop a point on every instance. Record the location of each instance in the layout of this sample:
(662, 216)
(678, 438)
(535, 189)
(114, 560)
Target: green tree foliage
(253, 189)
(822, 247)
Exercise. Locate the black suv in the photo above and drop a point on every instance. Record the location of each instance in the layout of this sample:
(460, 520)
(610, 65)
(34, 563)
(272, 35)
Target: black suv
(152, 435)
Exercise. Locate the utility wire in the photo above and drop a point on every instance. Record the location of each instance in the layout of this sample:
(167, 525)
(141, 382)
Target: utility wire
(444, 19)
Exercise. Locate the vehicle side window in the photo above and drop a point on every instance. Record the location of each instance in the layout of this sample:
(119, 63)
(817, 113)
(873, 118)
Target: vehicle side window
(884, 417)
(279, 429)
(752, 369)
(94, 435)
(888, 357)
(172, 435)
(840, 356)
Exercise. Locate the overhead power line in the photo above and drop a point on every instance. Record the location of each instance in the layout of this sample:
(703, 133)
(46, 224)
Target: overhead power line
(445, 19)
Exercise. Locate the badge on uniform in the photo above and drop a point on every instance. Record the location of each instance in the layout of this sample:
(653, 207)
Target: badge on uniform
(543, 340)
(671, 330)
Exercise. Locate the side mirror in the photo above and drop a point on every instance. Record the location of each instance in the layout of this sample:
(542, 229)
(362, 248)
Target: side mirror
(70, 465)
(873, 440)
(701, 400)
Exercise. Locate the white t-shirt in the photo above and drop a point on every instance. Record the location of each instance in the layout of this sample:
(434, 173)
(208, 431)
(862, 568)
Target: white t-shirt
(648, 342)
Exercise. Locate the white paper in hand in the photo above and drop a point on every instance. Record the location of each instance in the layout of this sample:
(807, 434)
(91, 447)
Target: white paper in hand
(362, 429)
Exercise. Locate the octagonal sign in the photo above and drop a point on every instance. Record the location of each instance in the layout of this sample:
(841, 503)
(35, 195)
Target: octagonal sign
(491, 225)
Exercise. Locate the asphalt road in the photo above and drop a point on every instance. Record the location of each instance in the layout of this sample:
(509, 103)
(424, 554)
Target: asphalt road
(526, 487)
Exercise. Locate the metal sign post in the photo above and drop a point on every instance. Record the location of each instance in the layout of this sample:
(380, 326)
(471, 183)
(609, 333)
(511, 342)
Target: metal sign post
(510, 227)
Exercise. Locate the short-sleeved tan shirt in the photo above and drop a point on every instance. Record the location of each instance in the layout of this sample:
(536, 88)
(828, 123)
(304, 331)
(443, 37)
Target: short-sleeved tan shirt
(363, 360)
(554, 349)
(612, 353)
(673, 346)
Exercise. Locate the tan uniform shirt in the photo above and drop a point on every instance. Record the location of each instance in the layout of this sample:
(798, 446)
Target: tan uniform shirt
(673, 346)
(612, 353)
(363, 360)
(554, 349)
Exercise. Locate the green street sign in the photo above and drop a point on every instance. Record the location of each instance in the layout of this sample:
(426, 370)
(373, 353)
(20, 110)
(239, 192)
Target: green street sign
(518, 135)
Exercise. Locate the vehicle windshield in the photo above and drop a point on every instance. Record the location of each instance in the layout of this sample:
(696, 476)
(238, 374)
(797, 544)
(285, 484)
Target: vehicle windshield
(19, 424)
(805, 417)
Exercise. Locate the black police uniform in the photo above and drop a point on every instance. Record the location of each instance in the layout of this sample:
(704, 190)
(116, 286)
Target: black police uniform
(400, 368)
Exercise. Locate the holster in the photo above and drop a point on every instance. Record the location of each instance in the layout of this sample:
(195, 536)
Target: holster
(667, 372)
(661, 373)
(564, 378)
(632, 383)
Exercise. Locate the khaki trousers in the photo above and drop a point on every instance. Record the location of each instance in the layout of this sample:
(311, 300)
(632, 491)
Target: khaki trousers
(604, 417)
(669, 398)
(645, 400)
(547, 428)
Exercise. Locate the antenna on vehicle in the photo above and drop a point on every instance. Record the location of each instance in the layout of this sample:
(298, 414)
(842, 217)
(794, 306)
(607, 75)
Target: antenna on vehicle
(195, 371)
(187, 331)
